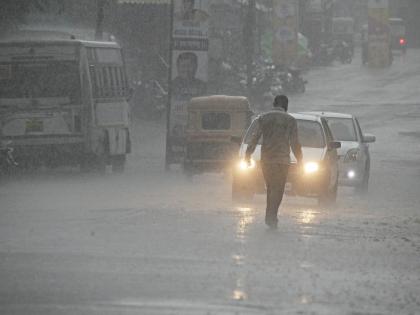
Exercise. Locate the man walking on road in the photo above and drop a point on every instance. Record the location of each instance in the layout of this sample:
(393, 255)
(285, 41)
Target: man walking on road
(279, 132)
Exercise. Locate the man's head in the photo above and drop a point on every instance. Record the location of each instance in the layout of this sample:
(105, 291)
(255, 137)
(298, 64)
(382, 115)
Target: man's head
(187, 63)
(281, 101)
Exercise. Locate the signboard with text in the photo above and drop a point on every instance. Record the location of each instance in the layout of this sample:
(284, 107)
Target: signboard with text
(190, 47)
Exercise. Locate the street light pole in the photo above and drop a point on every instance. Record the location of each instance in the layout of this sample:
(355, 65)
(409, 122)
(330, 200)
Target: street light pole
(168, 147)
(99, 30)
(249, 41)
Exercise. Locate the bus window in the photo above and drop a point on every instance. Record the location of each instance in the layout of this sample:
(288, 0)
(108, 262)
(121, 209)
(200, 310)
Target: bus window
(118, 81)
(95, 85)
(106, 86)
(41, 79)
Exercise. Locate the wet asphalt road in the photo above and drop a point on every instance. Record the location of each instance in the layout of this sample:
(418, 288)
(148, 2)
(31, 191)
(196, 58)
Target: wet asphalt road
(148, 242)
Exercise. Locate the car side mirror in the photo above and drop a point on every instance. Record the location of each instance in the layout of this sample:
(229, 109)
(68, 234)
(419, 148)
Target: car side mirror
(368, 138)
(334, 145)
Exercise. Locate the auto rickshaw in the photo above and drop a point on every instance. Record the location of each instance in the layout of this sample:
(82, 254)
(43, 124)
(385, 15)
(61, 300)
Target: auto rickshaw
(214, 132)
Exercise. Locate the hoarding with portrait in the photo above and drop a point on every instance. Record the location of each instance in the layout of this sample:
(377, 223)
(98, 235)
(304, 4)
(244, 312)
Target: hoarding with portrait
(189, 59)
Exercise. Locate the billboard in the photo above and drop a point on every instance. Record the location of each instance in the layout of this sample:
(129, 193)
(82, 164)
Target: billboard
(379, 51)
(189, 74)
(285, 32)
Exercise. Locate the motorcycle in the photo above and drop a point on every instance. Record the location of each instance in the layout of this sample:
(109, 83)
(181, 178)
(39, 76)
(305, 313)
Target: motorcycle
(343, 52)
(149, 100)
(7, 161)
(292, 82)
(324, 55)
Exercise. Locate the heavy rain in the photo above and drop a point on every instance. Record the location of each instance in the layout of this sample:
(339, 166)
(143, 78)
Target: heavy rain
(143, 147)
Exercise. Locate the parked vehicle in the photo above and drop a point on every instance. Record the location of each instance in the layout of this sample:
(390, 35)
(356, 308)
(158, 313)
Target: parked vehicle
(343, 32)
(317, 178)
(354, 155)
(65, 102)
(324, 55)
(149, 100)
(343, 52)
(292, 82)
(7, 161)
(214, 131)
(398, 35)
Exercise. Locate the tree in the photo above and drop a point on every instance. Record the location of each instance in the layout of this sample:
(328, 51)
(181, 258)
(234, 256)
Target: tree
(13, 12)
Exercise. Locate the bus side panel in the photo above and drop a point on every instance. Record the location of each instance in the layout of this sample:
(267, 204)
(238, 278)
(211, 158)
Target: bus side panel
(109, 115)
(114, 118)
(90, 137)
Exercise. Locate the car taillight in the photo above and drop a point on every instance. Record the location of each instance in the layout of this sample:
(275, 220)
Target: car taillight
(402, 41)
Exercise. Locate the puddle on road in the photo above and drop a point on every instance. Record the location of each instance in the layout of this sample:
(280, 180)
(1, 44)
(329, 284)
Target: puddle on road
(245, 217)
(307, 216)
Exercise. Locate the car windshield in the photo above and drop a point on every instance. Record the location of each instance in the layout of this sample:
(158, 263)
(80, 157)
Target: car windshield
(40, 80)
(310, 133)
(342, 129)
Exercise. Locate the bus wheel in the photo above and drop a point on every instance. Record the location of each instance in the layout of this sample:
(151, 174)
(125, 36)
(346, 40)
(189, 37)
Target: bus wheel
(118, 163)
(92, 163)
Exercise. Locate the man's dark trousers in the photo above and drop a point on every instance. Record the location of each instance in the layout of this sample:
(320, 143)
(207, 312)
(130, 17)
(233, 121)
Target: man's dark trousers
(275, 175)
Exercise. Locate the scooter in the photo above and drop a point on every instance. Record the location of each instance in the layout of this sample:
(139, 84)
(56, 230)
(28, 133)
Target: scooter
(292, 82)
(7, 161)
(344, 52)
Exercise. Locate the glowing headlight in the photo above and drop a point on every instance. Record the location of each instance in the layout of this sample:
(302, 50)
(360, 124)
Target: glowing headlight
(351, 174)
(311, 167)
(243, 165)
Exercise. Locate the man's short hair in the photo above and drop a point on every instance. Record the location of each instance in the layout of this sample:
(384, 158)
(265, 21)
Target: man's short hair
(188, 56)
(281, 101)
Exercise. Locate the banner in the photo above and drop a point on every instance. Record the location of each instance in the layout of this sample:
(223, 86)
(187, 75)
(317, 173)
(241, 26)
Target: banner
(379, 51)
(285, 32)
(190, 47)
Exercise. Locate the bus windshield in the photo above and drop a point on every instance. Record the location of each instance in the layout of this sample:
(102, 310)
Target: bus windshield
(40, 79)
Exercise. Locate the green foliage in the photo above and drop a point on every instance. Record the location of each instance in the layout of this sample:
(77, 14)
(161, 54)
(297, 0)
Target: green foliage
(13, 12)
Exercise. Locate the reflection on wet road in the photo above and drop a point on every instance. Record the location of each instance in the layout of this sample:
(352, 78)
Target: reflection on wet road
(245, 217)
(158, 242)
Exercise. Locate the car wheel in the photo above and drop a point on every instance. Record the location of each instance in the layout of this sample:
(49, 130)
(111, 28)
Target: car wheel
(363, 187)
(329, 197)
(241, 193)
(93, 163)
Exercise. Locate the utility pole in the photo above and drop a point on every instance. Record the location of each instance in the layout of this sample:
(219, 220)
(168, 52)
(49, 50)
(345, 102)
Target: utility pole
(168, 145)
(249, 42)
(99, 30)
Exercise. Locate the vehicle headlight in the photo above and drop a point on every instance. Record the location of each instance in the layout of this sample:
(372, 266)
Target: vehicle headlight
(351, 174)
(352, 155)
(311, 167)
(244, 166)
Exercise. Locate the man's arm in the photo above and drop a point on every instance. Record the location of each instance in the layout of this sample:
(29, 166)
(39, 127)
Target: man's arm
(255, 137)
(294, 143)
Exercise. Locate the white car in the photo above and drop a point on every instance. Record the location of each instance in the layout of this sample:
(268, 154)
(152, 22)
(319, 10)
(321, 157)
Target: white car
(354, 156)
(319, 176)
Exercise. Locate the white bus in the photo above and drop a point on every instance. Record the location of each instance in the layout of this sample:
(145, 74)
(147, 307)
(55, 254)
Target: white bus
(65, 102)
